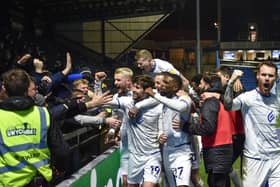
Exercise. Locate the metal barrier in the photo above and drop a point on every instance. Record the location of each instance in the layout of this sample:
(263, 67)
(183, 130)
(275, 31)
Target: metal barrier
(77, 135)
(86, 144)
(102, 171)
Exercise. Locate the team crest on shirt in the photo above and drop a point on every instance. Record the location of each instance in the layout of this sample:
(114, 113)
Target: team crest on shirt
(19, 130)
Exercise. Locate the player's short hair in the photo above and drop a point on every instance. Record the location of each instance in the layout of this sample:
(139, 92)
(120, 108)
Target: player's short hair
(124, 71)
(143, 53)
(145, 81)
(175, 79)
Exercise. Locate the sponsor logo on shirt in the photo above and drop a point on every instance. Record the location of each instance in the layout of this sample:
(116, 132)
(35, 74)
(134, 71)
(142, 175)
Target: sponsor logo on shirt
(270, 116)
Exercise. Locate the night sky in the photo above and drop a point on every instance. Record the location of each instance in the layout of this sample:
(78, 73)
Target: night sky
(236, 16)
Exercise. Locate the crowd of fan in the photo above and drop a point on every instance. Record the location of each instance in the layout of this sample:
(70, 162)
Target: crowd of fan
(57, 83)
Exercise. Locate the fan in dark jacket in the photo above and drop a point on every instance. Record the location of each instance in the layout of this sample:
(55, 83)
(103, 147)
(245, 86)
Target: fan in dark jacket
(215, 129)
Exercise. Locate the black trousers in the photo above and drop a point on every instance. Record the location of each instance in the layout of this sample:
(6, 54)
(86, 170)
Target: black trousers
(218, 180)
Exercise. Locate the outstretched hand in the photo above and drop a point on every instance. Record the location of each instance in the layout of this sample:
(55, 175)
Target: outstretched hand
(24, 58)
(113, 122)
(98, 100)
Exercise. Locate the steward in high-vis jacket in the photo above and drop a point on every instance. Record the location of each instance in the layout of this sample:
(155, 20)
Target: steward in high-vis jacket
(26, 139)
